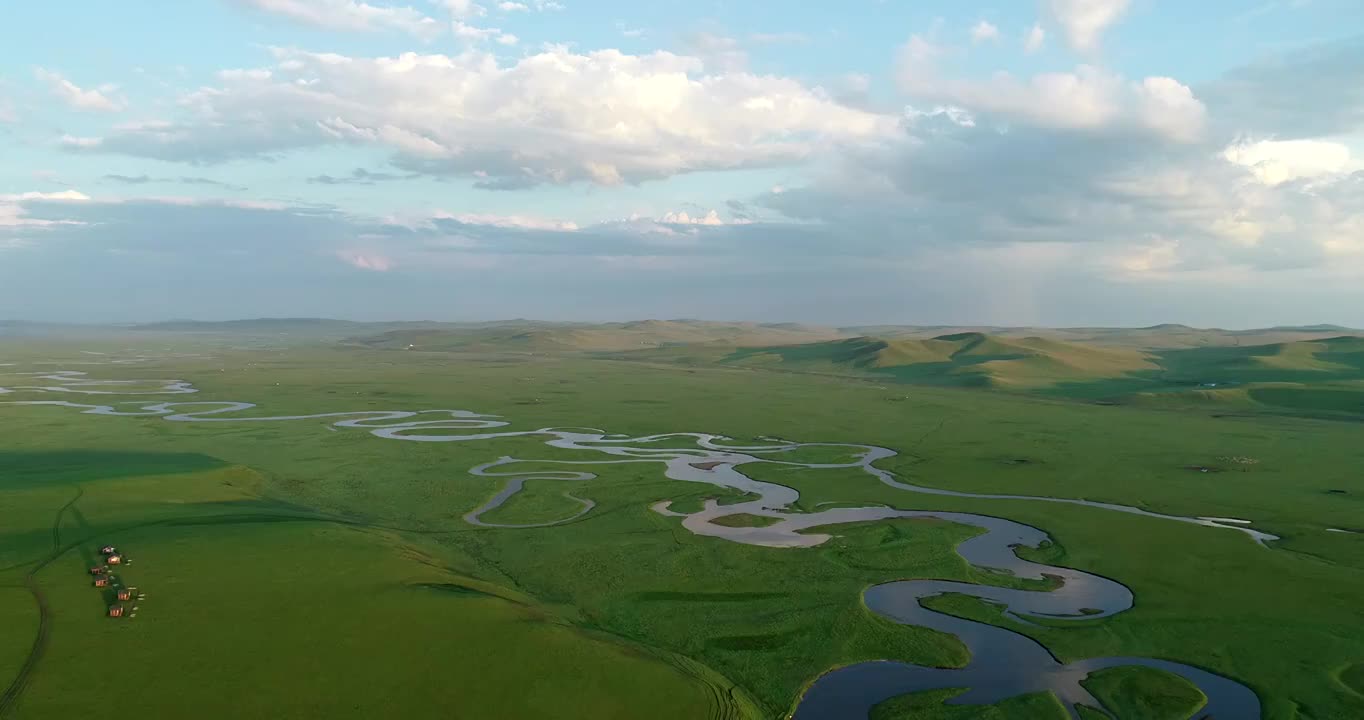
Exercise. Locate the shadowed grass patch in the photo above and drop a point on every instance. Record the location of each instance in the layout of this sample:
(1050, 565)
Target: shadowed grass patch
(1140, 693)
(746, 520)
(1353, 677)
(24, 469)
(929, 706)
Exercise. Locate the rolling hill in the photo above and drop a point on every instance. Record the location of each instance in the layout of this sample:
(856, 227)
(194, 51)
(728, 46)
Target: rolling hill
(962, 359)
(522, 335)
(606, 337)
(309, 327)
(1338, 358)
(1167, 336)
(1322, 378)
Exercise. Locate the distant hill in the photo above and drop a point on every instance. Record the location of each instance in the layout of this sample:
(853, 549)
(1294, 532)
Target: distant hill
(607, 337)
(311, 329)
(257, 326)
(24, 329)
(1311, 329)
(1320, 378)
(522, 335)
(1154, 337)
(1340, 357)
(969, 359)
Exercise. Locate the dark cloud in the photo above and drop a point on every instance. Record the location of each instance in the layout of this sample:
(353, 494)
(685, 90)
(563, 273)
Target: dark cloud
(223, 260)
(202, 144)
(1301, 93)
(129, 179)
(740, 210)
(189, 180)
(360, 176)
(182, 180)
(949, 184)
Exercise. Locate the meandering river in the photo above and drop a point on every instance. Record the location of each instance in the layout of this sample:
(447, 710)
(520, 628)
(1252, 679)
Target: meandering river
(1003, 663)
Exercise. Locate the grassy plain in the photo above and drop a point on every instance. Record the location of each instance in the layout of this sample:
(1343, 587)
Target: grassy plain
(324, 551)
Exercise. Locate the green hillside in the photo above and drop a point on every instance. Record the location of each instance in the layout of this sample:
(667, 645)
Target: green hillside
(1321, 377)
(1167, 336)
(1338, 358)
(962, 359)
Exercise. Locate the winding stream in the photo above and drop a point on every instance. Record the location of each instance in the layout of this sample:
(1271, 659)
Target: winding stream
(1003, 663)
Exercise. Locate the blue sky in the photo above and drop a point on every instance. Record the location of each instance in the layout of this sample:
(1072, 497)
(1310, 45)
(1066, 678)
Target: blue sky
(1056, 162)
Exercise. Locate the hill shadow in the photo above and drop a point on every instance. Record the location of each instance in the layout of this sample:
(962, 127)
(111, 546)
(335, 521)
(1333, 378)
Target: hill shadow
(24, 469)
(1322, 376)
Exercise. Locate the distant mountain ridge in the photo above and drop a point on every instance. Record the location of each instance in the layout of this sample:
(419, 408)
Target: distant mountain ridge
(606, 337)
(535, 335)
(247, 325)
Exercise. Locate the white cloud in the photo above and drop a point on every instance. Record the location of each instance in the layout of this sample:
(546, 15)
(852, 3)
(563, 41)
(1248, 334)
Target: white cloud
(683, 218)
(524, 222)
(554, 117)
(984, 31)
(14, 215)
(1274, 162)
(1008, 198)
(80, 143)
(463, 8)
(350, 15)
(64, 195)
(1087, 98)
(473, 34)
(508, 6)
(1128, 207)
(1034, 38)
(1170, 108)
(97, 99)
(464, 31)
(1084, 21)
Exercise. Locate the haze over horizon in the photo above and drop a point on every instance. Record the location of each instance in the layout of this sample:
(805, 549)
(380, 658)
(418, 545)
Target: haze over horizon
(1058, 163)
(510, 321)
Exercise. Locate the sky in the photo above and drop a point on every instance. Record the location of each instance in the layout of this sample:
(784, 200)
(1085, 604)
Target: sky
(1009, 162)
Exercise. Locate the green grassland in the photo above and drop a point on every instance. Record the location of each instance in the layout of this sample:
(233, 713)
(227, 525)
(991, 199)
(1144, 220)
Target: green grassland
(214, 591)
(295, 551)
